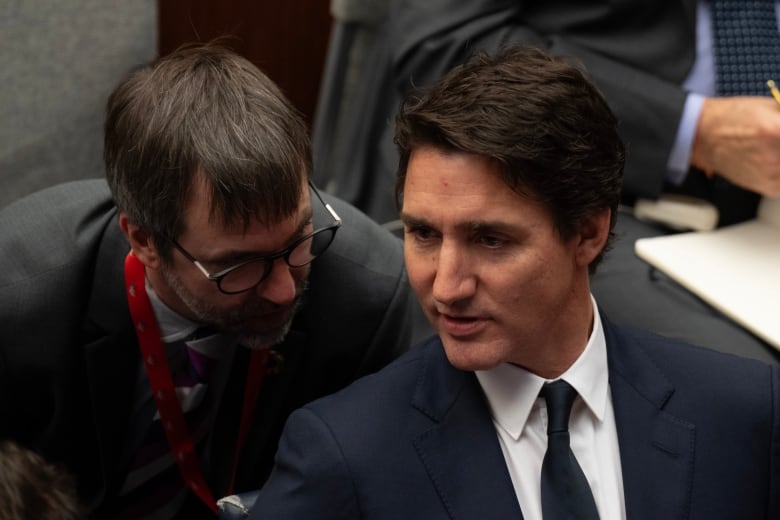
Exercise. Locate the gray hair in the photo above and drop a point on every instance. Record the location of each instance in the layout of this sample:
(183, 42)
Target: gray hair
(203, 113)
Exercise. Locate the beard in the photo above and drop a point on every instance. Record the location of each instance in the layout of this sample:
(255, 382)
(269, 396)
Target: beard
(232, 321)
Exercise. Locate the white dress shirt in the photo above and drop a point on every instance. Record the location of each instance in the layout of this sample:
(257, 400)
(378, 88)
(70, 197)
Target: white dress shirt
(520, 418)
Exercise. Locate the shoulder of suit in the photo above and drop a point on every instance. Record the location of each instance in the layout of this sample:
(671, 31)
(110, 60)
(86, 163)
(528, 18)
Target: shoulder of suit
(395, 381)
(363, 243)
(683, 364)
(53, 228)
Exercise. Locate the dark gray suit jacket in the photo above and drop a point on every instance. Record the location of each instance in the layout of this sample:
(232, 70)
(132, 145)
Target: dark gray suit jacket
(637, 51)
(699, 437)
(68, 352)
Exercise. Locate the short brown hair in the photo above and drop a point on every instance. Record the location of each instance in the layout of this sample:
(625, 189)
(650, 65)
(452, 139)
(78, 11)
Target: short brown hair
(203, 111)
(31, 487)
(539, 116)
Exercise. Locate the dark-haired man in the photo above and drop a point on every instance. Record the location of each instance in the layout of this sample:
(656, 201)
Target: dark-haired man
(687, 80)
(155, 332)
(529, 403)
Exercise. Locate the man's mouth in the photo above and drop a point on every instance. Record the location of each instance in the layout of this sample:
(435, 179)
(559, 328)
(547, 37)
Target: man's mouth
(461, 325)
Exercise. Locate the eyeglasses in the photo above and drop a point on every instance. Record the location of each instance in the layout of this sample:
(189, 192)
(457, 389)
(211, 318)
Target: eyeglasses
(249, 274)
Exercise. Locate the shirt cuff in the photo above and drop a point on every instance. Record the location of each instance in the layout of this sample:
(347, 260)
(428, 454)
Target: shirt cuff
(680, 156)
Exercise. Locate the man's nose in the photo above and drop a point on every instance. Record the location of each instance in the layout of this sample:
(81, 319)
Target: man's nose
(454, 278)
(280, 286)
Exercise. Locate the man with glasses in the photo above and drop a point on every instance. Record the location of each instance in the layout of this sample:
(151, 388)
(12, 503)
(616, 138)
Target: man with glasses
(155, 333)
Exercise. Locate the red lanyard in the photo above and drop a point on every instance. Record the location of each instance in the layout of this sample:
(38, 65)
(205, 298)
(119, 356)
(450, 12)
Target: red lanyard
(161, 382)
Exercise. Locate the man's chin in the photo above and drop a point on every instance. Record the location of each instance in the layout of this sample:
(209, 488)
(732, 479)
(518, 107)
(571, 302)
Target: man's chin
(266, 330)
(263, 339)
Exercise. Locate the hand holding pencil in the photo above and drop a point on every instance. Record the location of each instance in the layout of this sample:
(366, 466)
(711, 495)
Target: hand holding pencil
(738, 138)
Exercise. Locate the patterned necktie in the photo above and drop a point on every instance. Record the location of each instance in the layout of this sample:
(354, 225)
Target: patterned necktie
(200, 352)
(565, 490)
(154, 484)
(746, 46)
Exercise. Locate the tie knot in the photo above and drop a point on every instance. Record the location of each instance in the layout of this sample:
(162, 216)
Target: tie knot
(202, 348)
(559, 396)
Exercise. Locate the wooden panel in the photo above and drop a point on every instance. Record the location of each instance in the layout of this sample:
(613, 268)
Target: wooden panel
(287, 39)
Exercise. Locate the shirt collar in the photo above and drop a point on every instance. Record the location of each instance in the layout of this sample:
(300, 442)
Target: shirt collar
(512, 391)
(173, 326)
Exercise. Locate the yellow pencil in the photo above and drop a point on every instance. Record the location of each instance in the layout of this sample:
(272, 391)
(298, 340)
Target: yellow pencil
(773, 89)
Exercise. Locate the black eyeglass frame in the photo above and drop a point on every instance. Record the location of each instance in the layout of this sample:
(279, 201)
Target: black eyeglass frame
(268, 260)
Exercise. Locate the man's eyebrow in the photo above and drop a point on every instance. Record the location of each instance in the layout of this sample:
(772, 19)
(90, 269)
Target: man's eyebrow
(411, 220)
(235, 255)
(471, 226)
(489, 226)
(307, 218)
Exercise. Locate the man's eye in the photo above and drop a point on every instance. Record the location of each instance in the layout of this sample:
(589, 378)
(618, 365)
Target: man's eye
(491, 241)
(420, 233)
(221, 265)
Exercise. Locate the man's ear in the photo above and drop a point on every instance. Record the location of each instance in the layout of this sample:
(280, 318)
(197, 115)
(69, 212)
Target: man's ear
(593, 235)
(140, 242)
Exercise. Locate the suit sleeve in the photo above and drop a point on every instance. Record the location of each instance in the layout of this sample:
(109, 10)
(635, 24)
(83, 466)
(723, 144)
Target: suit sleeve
(432, 36)
(311, 478)
(774, 470)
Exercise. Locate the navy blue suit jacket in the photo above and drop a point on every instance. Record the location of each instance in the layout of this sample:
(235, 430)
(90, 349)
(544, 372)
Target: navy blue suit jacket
(699, 436)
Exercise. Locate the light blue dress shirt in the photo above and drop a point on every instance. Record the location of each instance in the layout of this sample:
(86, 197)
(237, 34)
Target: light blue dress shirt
(700, 83)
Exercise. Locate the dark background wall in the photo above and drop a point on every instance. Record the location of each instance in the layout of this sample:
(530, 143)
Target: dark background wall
(287, 39)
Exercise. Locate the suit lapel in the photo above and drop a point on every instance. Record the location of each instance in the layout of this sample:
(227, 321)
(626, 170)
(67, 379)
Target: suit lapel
(111, 359)
(461, 452)
(656, 448)
(112, 365)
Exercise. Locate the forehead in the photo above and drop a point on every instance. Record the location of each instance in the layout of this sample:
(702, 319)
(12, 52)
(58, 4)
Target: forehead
(199, 215)
(451, 185)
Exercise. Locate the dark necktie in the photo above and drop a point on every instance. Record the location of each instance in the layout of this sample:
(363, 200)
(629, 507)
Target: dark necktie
(201, 364)
(154, 481)
(565, 490)
(746, 46)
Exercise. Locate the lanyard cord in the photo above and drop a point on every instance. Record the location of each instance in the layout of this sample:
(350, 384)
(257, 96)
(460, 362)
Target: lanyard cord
(164, 392)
